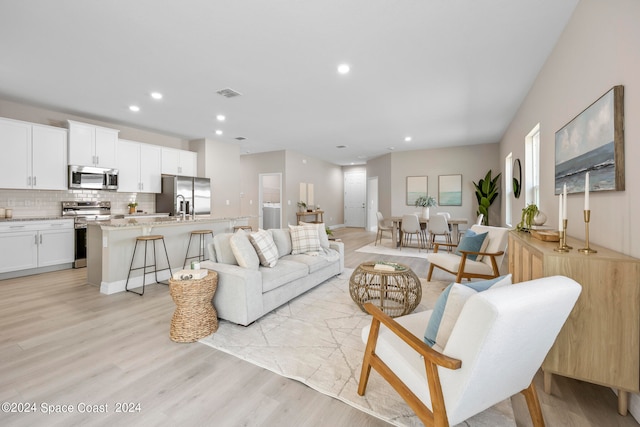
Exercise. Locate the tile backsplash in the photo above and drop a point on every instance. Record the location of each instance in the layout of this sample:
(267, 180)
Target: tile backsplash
(48, 203)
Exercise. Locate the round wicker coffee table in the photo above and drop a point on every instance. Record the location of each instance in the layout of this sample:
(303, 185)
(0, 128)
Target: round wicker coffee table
(195, 316)
(396, 292)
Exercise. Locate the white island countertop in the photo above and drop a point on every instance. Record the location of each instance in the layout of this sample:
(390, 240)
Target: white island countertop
(153, 221)
(110, 246)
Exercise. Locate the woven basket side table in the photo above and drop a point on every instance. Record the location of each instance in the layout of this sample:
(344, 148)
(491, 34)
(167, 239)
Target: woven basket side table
(396, 293)
(194, 317)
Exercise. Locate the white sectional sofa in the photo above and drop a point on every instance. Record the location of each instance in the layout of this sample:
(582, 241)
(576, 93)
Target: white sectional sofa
(248, 287)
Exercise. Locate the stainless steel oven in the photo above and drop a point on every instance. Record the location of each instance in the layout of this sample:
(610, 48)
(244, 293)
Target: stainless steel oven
(82, 213)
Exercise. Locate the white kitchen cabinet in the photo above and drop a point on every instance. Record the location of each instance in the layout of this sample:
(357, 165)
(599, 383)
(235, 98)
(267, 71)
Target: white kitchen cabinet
(139, 167)
(179, 162)
(35, 156)
(56, 245)
(91, 145)
(33, 244)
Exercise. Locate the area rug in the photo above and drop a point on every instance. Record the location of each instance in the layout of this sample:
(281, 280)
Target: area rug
(315, 339)
(386, 249)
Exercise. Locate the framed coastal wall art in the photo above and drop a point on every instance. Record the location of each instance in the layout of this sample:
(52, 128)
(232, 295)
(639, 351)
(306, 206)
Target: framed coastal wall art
(450, 190)
(416, 187)
(593, 142)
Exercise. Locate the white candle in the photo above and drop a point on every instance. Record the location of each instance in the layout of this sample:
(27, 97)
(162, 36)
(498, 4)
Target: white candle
(564, 202)
(560, 212)
(586, 192)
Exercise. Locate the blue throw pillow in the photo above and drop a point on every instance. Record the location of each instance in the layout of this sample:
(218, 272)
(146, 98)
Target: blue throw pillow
(471, 241)
(435, 321)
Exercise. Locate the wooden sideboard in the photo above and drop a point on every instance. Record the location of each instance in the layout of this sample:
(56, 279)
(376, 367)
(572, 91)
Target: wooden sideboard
(599, 343)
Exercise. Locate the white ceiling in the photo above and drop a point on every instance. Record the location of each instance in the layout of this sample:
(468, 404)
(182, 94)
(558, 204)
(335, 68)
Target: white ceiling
(446, 72)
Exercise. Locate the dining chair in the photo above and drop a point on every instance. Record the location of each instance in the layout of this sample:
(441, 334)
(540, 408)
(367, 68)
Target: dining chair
(382, 227)
(446, 215)
(438, 226)
(410, 226)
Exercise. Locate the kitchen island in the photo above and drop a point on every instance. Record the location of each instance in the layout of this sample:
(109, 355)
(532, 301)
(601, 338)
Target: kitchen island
(110, 246)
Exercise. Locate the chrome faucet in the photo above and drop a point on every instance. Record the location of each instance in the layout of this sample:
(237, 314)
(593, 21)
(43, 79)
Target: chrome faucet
(182, 205)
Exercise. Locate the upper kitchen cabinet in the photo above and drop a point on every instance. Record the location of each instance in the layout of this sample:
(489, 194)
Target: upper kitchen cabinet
(35, 156)
(179, 162)
(91, 145)
(139, 167)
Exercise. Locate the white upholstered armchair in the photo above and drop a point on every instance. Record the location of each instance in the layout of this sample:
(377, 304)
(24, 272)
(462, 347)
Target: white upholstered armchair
(482, 264)
(495, 348)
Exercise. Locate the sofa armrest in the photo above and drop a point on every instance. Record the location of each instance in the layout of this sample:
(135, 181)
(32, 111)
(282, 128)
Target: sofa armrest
(338, 247)
(238, 297)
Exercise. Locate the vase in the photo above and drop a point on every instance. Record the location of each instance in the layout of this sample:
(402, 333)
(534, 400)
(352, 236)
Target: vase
(540, 218)
(425, 212)
(132, 209)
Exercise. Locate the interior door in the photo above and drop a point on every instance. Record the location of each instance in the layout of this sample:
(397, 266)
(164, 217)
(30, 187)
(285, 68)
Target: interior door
(355, 194)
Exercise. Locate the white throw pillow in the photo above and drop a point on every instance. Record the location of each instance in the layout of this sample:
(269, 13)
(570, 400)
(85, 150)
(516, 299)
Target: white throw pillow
(243, 250)
(322, 233)
(282, 239)
(304, 239)
(265, 247)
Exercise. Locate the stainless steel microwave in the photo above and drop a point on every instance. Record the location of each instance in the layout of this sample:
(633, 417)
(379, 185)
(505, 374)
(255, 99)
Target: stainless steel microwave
(93, 178)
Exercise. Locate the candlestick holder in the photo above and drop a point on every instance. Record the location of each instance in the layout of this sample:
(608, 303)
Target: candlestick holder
(564, 226)
(587, 219)
(561, 243)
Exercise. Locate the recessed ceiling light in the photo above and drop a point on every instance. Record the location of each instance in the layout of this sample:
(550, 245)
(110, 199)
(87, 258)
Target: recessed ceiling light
(407, 139)
(156, 95)
(344, 68)
(221, 117)
(391, 148)
(134, 108)
(218, 132)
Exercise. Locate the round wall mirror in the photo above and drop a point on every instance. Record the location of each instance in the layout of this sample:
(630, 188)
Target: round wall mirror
(517, 178)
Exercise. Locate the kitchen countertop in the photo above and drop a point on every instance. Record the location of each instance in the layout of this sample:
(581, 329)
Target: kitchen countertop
(155, 221)
(34, 218)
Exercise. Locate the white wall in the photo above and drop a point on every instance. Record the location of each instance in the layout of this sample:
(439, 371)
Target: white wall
(600, 48)
(472, 162)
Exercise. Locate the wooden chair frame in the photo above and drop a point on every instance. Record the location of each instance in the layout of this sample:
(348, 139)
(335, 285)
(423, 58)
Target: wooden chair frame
(432, 359)
(461, 274)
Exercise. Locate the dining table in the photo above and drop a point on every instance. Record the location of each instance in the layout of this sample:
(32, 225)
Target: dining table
(396, 232)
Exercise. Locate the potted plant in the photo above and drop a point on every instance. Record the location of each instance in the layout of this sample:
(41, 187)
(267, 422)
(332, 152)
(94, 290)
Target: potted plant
(132, 207)
(528, 214)
(302, 206)
(426, 202)
(486, 193)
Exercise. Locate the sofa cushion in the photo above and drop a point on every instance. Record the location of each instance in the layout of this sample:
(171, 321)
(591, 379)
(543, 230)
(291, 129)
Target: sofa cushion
(265, 247)
(472, 241)
(212, 252)
(304, 239)
(222, 247)
(449, 305)
(322, 233)
(243, 250)
(314, 263)
(282, 239)
(284, 272)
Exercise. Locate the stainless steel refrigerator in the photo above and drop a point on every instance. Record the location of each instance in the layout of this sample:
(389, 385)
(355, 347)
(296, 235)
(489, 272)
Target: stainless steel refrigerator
(184, 193)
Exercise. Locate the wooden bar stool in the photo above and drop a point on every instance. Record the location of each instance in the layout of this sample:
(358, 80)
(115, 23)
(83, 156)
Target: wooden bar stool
(146, 239)
(202, 234)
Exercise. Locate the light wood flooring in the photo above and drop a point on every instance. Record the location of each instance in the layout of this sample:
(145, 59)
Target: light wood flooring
(63, 343)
